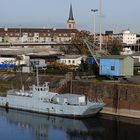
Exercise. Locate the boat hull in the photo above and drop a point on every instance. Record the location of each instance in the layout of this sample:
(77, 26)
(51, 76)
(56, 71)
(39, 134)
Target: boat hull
(54, 114)
(72, 111)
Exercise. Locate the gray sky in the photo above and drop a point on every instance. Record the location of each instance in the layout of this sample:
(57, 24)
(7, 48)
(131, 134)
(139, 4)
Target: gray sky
(117, 14)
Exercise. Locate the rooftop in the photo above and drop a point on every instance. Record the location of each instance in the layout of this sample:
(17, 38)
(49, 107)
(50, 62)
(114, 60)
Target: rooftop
(114, 57)
(70, 56)
(28, 51)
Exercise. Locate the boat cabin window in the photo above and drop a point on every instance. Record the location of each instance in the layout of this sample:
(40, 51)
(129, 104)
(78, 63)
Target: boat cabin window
(37, 89)
(41, 89)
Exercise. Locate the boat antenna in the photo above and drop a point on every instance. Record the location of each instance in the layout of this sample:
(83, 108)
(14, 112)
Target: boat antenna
(70, 82)
(22, 85)
(37, 78)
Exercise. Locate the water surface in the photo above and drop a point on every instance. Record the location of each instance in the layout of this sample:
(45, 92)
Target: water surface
(18, 125)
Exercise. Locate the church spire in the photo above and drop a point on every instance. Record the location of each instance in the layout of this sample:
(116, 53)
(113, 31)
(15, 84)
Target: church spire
(71, 13)
(70, 22)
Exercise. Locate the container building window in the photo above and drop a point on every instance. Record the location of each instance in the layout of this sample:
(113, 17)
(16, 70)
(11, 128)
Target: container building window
(113, 68)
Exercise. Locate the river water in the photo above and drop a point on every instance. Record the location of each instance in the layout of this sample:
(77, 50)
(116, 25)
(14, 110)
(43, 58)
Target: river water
(18, 125)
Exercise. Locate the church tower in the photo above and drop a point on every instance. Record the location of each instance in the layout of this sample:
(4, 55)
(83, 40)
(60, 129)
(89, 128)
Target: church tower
(70, 21)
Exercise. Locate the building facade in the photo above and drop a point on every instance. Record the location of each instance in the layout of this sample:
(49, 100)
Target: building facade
(128, 37)
(125, 37)
(70, 60)
(39, 35)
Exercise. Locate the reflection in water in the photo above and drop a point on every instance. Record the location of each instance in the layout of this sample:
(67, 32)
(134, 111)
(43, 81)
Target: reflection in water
(120, 128)
(42, 127)
(18, 125)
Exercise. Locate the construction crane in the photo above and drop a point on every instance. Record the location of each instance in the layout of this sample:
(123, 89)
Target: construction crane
(90, 50)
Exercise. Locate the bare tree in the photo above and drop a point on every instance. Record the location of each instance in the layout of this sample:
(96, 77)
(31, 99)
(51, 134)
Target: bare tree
(77, 41)
(114, 46)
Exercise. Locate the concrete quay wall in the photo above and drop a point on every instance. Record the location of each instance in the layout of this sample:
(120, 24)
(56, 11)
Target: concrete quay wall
(122, 99)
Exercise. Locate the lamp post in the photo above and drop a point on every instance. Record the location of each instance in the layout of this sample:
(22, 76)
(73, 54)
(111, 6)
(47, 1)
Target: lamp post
(94, 11)
(100, 25)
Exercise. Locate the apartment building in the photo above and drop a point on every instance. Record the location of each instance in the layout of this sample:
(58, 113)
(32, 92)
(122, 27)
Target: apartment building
(128, 37)
(9, 35)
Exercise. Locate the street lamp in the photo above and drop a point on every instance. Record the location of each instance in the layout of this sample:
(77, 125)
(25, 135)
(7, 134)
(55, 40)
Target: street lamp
(100, 25)
(94, 11)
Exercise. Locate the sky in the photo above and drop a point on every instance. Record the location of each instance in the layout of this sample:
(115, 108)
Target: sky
(117, 15)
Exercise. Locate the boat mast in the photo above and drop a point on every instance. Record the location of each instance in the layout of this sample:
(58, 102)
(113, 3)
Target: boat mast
(37, 78)
(70, 75)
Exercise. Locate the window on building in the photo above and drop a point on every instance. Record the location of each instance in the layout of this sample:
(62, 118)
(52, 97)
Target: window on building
(112, 67)
(73, 61)
(52, 39)
(69, 61)
(69, 26)
(35, 63)
(59, 38)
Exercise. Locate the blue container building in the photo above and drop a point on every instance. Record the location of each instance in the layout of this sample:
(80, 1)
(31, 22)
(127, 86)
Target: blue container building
(116, 65)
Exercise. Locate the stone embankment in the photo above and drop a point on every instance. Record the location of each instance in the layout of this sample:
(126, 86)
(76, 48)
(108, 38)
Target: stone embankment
(17, 80)
(121, 99)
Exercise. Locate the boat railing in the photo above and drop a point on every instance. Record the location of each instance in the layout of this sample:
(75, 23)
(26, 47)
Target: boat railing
(100, 100)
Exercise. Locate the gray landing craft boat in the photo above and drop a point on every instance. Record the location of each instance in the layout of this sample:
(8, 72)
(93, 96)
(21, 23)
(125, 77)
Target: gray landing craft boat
(39, 99)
